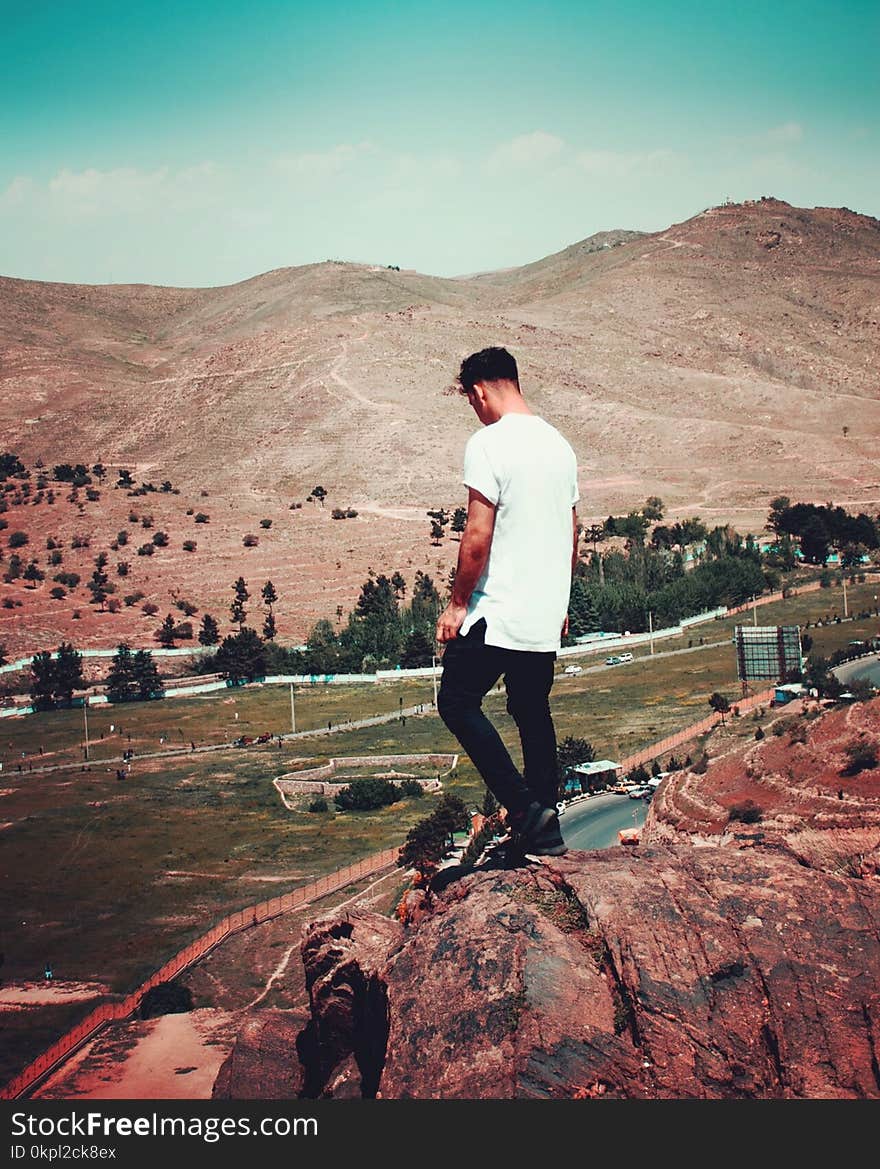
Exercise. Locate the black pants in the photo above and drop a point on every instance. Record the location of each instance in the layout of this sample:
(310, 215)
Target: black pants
(470, 670)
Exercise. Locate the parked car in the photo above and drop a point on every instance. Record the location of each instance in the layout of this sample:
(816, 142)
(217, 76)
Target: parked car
(627, 657)
(573, 670)
(612, 661)
(638, 793)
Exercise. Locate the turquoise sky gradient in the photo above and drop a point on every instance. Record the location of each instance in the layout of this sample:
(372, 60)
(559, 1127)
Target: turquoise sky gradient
(202, 143)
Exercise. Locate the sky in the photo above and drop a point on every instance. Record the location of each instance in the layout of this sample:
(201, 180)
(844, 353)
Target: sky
(204, 142)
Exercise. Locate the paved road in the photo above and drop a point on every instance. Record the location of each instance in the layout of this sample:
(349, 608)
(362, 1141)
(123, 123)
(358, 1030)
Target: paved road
(867, 668)
(594, 823)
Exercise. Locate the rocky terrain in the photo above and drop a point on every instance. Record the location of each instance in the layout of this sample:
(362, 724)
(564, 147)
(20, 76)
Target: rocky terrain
(716, 364)
(721, 958)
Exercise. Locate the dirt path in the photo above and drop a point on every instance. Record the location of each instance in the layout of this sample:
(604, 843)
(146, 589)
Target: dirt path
(175, 1057)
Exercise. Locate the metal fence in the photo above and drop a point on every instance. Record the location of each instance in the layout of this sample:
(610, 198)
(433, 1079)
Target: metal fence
(244, 918)
(743, 705)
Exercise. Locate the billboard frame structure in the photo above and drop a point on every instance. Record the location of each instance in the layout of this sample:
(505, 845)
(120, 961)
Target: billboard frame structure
(767, 653)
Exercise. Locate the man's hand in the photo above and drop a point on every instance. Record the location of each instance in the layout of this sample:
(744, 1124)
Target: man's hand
(450, 621)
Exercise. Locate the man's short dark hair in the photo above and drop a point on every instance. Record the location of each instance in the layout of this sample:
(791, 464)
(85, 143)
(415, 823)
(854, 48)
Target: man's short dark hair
(489, 365)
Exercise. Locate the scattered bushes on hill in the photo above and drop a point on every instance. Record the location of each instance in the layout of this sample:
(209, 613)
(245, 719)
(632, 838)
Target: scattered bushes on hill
(861, 756)
(746, 812)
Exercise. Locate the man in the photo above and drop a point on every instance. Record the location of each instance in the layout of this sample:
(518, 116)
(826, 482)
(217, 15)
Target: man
(509, 601)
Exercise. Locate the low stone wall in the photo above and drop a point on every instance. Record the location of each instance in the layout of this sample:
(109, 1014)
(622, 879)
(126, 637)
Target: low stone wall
(314, 780)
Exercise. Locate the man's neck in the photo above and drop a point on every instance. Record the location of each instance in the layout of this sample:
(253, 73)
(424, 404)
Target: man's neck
(510, 404)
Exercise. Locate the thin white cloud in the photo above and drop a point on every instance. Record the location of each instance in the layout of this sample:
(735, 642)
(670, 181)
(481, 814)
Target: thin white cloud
(787, 133)
(93, 187)
(319, 164)
(618, 164)
(526, 150)
(119, 191)
(18, 191)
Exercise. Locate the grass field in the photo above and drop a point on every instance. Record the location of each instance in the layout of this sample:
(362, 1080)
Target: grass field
(107, 879)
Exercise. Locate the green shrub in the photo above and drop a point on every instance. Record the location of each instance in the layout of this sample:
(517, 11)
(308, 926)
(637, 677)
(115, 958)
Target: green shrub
(411, 789)
(319, 804)
(861, 756)
(363, 795)
(747, 812)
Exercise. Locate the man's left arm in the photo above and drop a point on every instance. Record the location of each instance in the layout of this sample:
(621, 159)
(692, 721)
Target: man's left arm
(473, 553)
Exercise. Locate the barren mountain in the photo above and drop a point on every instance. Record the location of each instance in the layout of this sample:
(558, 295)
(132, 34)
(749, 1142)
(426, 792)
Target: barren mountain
(715, 364)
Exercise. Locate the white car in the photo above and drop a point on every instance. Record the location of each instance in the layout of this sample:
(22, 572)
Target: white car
(627, 657)
(573, 670)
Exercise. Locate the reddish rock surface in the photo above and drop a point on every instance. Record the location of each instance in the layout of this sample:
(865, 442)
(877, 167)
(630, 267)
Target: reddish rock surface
(810, 803)
(666, 972)
(722, 964)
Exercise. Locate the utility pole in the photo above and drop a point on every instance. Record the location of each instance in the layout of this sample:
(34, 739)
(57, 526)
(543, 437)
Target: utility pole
(754, 609)
(86, 725)
(845, 608)
(651, 629)
(434, 677)
(292, 712)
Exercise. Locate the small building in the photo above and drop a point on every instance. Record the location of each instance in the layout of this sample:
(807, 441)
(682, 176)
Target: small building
(592, 777)
(785, 693)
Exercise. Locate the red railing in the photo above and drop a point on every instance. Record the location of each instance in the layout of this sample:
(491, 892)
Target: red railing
(250, 916)
(743, 705)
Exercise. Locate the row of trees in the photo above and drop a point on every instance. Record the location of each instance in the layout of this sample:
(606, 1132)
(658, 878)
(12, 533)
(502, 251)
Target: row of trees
(132, 676)
(619, 591)
(819, 529)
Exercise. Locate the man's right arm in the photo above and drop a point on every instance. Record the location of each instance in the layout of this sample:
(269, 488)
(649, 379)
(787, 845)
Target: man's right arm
(473, 553)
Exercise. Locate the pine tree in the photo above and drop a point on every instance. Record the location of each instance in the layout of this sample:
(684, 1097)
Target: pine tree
(269, 629)
(242, 657)
(33, 574)
(68, 672)
(165, 633)
(146, 676)
(98, 586)
(120, 681)
(237, 610)
(42, 681)
(209, 634)
(268, 594)
(459, 520)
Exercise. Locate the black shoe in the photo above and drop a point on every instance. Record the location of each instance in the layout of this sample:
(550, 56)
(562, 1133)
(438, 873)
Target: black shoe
(546, 841)
(533, 820)
(507, 853)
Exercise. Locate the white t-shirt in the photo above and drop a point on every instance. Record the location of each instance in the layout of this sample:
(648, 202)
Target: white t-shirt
(526, 468)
